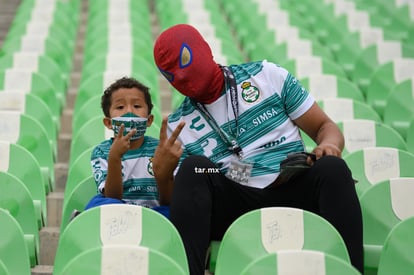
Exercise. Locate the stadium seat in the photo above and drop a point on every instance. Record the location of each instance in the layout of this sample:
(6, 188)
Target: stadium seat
(19, 162)
(78, 170)
(339, 109)
(16, 199)
(26, 131)
(299, 262)
(322, 86)
(38, 63)
(305, 66)
(397, 254)
(77, 199)
(383, 81)
(263, 231)
(14, 254)
(372, 165)
(383, 206)
(34, 107)
(122, 259)
(399, 106)
(119, 224)
(363, 133)
(26, 81)
(371, 58)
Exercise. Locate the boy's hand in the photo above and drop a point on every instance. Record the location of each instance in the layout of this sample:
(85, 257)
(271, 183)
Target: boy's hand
(121, 143)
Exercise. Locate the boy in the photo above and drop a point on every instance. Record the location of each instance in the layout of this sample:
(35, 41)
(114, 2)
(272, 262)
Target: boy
(122, 165)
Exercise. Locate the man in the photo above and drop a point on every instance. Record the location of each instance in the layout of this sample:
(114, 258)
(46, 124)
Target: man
(228, 138)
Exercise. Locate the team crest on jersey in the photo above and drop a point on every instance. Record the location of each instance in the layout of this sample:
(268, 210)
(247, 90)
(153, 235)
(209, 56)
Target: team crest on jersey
(149, 167)
(250, 93)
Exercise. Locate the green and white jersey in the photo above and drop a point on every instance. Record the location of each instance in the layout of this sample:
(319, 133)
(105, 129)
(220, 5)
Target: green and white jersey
(140, 187)
(268, 98)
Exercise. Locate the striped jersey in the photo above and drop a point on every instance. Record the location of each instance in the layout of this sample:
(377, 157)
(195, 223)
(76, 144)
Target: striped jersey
(139, 185)
(268, 99)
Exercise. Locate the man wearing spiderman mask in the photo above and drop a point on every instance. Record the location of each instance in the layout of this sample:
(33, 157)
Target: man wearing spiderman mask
(220, 152)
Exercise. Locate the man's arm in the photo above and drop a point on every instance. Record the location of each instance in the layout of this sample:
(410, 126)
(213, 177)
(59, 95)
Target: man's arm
(328, 137)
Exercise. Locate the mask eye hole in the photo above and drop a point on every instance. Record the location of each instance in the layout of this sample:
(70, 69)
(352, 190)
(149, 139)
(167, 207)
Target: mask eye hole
(186, 56)
(167, 75)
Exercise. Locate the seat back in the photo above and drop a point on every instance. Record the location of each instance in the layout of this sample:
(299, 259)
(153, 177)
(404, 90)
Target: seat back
(397, 254)
(363, 133)
(14, 254)
(122, 259)
(15, 198)
(119, 224)
(263, 231)
(299, 262)
(384, 205)
(19, 162)
(26, 131)
(372, 165)
(77, 199)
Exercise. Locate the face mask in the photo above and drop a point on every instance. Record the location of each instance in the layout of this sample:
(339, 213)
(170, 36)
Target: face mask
(186, 61)
(130, 121)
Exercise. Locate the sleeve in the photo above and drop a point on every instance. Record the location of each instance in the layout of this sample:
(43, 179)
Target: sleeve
(99, 168)
(295, 97)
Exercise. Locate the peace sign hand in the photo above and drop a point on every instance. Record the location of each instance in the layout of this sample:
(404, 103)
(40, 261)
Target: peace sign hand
(121, 143)
(166, 159)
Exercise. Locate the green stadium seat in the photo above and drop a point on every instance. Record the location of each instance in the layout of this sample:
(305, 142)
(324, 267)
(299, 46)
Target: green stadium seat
(19, 162)
(372, 165)
(383, 81)
(363, 133)
(16, 198)
(42, 64)
(28, 132)
(299, 262)
(122, 259)
(33, 106)
(322, 86)
(77, 199)
(14, 254)
(399, 106)
(339, 109)
(397, 254)
(119, 224)
(371, 58)
(268, 230)
(383, 206)
(26, 81)
(305, 66)
(79, 169)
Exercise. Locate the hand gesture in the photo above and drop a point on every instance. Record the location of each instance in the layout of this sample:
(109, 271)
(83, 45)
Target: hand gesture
(121, 143)
(169, 150)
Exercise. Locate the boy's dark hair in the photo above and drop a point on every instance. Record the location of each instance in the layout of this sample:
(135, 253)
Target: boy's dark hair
(124, 82)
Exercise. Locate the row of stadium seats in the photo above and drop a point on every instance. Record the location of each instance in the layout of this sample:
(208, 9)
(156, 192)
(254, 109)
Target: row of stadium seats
(35, 62)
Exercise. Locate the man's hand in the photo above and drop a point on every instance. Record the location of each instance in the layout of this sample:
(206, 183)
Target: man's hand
(166, 159)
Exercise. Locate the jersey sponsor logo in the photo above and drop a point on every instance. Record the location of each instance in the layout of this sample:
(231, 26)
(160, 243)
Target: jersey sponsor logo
(263, 117)
(250, 94)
